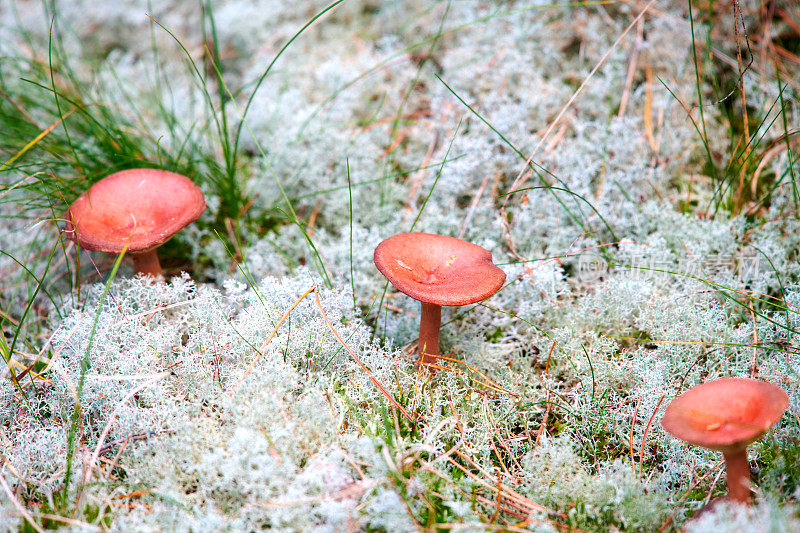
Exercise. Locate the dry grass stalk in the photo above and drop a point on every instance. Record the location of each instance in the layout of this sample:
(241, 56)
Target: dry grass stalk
(24, 512)
(632, 65)
(271, 336)
(526, 171)
(158, 377)
(357, 360)
(489, 382)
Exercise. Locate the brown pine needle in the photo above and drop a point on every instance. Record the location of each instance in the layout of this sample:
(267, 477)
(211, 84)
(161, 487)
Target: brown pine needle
(493, 385)
(359, 361)
(134, 494)
(372, 377)
(646, 431)
(271, 336)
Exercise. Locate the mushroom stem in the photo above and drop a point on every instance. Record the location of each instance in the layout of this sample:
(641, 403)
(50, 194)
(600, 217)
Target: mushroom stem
(429, 323)
(147, 263)
(738, 469)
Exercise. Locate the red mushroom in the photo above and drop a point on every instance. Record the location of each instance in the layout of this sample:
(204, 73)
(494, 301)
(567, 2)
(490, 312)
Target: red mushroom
(437, 271)
(727, 415)
(139, 208)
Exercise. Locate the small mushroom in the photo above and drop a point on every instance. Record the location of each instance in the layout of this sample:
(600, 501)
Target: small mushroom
(437, 271)
(727, 415)
(141, 208)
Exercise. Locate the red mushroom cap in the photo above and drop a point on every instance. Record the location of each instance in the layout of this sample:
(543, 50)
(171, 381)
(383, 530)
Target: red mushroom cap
(725, 414)
(141, 207)
(438, 270)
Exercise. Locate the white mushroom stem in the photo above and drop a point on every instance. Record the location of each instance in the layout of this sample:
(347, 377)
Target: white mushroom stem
(147, 263)
(429, 323)
(738, 469)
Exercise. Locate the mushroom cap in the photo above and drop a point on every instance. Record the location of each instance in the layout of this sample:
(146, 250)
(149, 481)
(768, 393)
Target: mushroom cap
(438, 270)
(725, 414)
(141, 208)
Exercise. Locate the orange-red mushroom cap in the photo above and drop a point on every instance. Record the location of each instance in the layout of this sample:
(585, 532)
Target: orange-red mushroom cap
(437, 269)
(141, 208)
(725, 414)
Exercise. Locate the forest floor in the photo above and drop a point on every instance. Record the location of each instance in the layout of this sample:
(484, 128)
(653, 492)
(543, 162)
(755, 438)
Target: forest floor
(631, 166)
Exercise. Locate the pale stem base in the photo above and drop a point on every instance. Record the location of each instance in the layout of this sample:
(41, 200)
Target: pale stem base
(429, 323)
